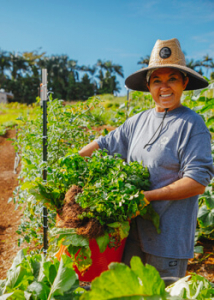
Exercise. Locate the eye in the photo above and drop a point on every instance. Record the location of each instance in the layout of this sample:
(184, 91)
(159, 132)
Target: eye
(172, 79)
(156, 81)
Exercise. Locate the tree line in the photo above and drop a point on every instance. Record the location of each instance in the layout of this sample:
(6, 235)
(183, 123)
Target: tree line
(21, 74)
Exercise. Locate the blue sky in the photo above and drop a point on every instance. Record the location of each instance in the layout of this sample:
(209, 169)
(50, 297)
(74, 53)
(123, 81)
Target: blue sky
(122, 31)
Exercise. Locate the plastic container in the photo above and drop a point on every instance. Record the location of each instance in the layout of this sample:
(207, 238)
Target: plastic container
(100, 261)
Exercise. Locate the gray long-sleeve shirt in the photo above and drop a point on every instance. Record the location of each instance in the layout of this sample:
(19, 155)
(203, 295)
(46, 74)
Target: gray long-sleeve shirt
(183, 149)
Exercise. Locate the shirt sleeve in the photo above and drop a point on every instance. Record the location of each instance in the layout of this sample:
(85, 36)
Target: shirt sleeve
(116, 141)
(196, 159)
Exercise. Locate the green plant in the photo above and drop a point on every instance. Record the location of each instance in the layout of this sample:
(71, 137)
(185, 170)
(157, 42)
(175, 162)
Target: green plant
(68, 127)
(121, 282)
(31, 277)
(111, 193)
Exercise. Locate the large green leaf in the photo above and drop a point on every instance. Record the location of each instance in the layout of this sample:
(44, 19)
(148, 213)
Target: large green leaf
(68, 236)
(19, 274)
(65, 278)
(39, 290)
(103, 241)
(205, 216)
(152, 282)
(16, 295)
(123, 228)
(122, 282)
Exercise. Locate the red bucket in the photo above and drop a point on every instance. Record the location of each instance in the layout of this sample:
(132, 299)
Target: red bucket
(100, 261)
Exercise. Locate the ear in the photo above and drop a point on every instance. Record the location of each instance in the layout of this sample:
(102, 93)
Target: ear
(186, 80)
(148, 86)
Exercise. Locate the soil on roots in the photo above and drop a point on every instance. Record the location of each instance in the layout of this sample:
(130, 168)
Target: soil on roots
(69, 216)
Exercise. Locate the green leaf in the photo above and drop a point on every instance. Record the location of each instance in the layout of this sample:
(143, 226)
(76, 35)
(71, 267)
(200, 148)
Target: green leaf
(152, 282)
(121, 282)
(205, 216)
(103, 241)
(65, 278)
(39, 290)
(192, 287)
(199, 249)
(123, 228)
(16, 295)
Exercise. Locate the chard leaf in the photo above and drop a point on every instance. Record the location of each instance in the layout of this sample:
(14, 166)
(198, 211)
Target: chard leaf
(16, 295)
(75, 240)
(18, 259)
(150, 277)
(102, 242)
(41, 274)
(35, 263)
(39, 290)
(68, 236)
(122, 282)
(18, 277)
(50, 271)
(123, 228)
(65, 278)
(205, 216)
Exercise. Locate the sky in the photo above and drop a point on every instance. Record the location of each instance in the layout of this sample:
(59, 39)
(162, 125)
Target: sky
(122, 31)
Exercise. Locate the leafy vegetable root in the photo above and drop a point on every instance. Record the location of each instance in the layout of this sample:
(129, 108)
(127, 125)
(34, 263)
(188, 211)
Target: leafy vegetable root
(88, 227)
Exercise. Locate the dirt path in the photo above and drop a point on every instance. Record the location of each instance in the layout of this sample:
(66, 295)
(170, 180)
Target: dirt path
(202, 264)
(9, 217)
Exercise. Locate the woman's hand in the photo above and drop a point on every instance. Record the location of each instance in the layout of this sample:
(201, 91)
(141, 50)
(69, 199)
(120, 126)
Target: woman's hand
(183, 188)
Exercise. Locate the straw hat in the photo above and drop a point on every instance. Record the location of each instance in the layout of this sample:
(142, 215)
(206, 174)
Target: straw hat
(166, 54)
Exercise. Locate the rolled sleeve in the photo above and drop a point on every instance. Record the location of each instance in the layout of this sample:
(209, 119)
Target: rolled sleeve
(116, 141)
(196, 159)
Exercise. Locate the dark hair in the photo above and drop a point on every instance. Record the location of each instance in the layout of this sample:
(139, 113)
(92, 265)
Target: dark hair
(182, 74)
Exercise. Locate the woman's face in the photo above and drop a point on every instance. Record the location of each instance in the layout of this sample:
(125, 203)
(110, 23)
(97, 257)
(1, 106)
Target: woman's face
(166, 86)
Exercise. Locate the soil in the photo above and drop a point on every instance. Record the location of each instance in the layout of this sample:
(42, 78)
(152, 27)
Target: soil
(68, 216)
(202, 264)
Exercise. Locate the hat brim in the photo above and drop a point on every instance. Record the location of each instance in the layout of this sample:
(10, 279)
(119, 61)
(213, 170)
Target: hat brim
(137, 80)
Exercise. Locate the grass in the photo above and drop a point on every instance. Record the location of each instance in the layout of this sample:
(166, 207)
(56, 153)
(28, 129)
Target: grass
(11, 114)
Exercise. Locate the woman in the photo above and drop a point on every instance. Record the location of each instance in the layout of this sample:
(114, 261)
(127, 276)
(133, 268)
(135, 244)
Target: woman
(174, 143)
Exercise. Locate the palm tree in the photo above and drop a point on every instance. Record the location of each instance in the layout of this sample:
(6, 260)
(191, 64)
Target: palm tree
(107, 80)
(4, 61)
(207, 62)
(144, 61)
(19, 65)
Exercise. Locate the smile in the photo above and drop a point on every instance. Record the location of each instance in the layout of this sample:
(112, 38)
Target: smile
(164, 96)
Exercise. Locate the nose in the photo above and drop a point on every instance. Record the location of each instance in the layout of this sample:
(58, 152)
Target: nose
(164, 85)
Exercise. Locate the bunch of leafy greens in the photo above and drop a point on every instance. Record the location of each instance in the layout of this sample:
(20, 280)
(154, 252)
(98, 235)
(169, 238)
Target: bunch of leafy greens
(111, 189)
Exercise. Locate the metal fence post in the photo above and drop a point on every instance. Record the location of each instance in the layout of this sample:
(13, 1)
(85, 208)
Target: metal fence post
(43, 93)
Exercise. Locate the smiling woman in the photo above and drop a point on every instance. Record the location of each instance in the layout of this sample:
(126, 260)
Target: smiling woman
(166, 86)
(174, 143)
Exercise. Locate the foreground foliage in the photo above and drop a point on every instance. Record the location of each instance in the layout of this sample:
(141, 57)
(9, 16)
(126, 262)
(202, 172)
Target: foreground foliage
(32, 278)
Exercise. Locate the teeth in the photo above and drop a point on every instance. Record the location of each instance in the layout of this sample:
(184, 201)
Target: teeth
(166, 95)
